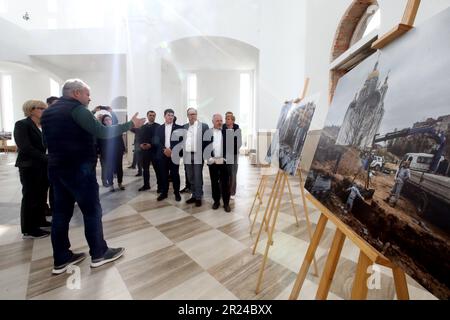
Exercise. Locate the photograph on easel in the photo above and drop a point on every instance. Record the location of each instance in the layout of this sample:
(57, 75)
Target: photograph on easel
(382, 164)
(292, 130)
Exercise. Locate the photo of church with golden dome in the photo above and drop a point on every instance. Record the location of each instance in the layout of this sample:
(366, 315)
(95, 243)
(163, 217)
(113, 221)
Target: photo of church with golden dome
(383, 169)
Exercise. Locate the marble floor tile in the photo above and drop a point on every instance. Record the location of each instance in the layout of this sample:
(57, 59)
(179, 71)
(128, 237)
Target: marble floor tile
(184, 228)
(239, 275)
(240, 230)
(163, 215)
(10, 234)
(147, 205)
(122, 211)
(199, 248)
(14, 282)
(287, 251)
(217, 218)
(15, 254)
(200, 287)
(152, 275)
(104, 285)
(139, 243)
(124, 225)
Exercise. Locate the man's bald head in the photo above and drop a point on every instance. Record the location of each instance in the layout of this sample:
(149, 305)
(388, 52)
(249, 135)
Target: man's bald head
(217, 121)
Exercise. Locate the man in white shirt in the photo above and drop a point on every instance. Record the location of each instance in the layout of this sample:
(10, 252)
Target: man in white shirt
(193, 155)
(166, 166)
(218, 168)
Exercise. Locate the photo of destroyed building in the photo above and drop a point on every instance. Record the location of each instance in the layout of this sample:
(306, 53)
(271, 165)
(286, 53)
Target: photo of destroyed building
(292, 130)
(382, 164)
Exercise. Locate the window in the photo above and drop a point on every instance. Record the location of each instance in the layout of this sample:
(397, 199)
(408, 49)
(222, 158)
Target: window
(7, 104)
(55, 89)
(368, 23)
(424, 160)
(192, 90)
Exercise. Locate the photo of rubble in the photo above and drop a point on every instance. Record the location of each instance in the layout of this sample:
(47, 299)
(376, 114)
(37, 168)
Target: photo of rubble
(382, 164)
(292, 129)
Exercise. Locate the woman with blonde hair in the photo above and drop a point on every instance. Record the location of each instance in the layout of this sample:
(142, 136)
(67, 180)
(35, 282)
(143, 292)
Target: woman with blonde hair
(32, 164)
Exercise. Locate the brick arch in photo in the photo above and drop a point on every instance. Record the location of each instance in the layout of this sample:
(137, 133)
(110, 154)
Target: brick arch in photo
(344, 34)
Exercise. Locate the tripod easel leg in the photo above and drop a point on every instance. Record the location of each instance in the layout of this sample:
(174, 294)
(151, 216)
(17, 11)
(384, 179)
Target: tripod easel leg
(360, 289)
(401, 286)
(256, 196)
(292, 203)
(330, 266)
(269, 208)
(261, 197)
(309, 257)
(272, 228)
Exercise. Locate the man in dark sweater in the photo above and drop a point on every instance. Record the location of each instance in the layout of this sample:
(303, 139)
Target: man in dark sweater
(69, 129)
(145, 141)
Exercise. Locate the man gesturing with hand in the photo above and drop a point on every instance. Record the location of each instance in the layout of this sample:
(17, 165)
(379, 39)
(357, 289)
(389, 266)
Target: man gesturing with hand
(69, 129)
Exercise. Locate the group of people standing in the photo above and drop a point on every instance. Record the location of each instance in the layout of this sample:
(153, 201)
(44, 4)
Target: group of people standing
(157, 143)
(58, 145)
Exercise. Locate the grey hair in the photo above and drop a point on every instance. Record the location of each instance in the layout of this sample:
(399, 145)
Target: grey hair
(189, 109)
(72, 85)
(217, 115)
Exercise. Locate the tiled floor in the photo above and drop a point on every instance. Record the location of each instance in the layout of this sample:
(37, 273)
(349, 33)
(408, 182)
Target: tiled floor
(174, 250)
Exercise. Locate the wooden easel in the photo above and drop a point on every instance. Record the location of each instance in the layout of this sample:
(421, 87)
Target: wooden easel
(368, 254)
(367, 257)
(273, 207)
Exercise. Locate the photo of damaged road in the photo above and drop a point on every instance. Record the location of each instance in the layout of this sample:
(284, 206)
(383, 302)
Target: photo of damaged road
(383, 169)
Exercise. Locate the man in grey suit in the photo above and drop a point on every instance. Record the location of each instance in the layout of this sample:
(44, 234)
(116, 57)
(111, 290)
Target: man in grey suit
(193, 155)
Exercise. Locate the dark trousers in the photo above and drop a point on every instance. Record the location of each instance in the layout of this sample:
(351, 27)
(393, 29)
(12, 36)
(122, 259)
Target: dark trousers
(137, 160)
(233, 177)
(147, 160)
(194, 174)
(70, 185)
(220, 182)
(187, 183)
(34, 201)
(114, 166)
(104, 170)
(169, 169)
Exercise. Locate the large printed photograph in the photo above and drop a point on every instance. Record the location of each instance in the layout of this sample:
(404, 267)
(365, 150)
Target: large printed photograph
(292, 129)
(382, 164)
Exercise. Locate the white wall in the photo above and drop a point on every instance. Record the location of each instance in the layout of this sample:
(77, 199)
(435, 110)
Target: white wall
(28, 86)
(105, 86)
(282, 59)
(172, 91)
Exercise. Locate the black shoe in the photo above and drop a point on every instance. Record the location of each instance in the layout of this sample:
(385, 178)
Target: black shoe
(216, 205)
(185, 190)
(132, 167)
(198, 203)
(76, 258)
(191, 201)
(158, 191)
(162, 197)
(138, 174)
(109, 256)
(106, 185)
(121, 187)
(38, 234)
(144, 188)
(46, 226)
(177, 197)
(227, 208)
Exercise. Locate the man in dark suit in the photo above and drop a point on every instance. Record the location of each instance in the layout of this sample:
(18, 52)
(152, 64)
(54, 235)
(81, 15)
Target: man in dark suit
(164, 146)
(32, 164)
(193, 155)
(218, 168)
(148, 152)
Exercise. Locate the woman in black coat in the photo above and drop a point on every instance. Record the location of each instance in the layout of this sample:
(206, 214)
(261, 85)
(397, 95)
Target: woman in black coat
(32, 164)
(111, 154)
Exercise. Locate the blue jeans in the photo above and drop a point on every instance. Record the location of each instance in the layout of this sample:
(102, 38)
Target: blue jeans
(194, 173)
(70, 185)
